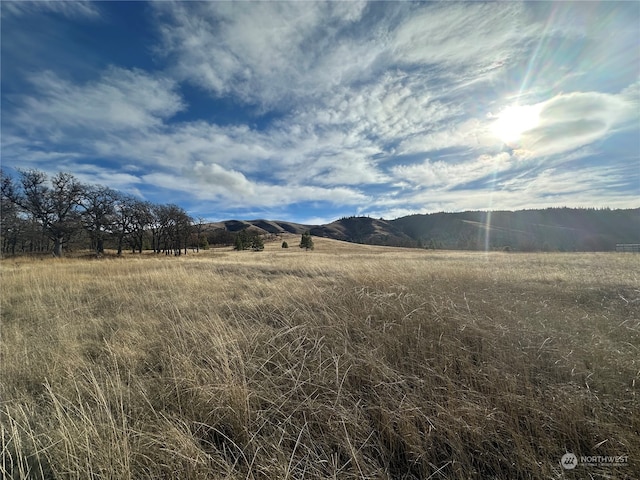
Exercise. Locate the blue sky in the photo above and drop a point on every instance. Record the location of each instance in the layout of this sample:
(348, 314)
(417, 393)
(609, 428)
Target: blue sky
(310, 111)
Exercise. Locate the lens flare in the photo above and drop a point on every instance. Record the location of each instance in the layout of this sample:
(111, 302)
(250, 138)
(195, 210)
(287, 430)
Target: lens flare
(515, 120)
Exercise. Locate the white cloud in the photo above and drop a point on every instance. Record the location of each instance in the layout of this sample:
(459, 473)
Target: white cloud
(353, 87)
(482, 35)
(71, 9)
(587, 186)
(96, 175)
(392, 108)
(277, 55)
(447, 175)
(570, 121)
(539, 188)
(120, 100)
(215, 176)
(469, 133)
(263, 54)
(233, 190)
(566, 122)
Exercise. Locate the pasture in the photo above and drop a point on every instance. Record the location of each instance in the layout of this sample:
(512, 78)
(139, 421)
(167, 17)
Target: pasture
(346, 362)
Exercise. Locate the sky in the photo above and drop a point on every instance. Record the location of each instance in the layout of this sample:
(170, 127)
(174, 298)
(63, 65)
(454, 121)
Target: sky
(311, 111)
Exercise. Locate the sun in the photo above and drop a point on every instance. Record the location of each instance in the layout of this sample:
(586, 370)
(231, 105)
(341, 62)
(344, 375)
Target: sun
(515, 120)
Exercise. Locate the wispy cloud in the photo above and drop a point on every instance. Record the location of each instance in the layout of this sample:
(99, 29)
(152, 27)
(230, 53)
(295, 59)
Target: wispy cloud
(480, 36)
(447, 175)
(533, 188)
(266, 54)
(77, 9)
(571, 121)
(233, 190)
(363, 104)
(121, 99)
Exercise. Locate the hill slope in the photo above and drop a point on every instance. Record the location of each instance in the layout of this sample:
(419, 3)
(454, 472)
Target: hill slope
(563, 229)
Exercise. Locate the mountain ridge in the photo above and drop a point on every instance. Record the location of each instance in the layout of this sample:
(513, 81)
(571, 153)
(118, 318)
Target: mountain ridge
(550, 229)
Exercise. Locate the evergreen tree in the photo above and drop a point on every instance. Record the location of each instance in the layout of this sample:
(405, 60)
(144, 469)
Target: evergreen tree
(243, 241)
(257, 244)
(306, 242)
(285, 244)
(238, 245)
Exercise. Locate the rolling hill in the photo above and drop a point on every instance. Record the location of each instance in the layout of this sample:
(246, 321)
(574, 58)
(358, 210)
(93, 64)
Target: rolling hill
(552, 229)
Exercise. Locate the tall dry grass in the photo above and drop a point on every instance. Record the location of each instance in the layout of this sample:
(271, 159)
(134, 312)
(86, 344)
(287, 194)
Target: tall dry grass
(345, 362)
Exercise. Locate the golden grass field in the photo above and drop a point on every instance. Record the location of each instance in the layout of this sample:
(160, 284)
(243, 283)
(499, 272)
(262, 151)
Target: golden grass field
(345, 362)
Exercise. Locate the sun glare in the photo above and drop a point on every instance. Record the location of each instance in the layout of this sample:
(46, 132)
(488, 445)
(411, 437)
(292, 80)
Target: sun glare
(515, 120)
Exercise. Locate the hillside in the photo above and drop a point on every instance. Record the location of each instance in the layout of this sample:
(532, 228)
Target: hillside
(364, 230)
(553, 229)
(563, 229)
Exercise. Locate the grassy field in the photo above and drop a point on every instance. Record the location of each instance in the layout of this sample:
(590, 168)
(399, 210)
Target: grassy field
(345, 362)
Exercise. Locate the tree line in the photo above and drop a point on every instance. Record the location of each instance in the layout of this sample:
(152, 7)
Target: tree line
(42, 214)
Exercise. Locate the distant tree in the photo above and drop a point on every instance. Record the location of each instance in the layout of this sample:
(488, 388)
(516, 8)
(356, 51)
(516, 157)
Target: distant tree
(53, 203)
(220, 237)
(98, 217)
(141, 218)
(132, 218)
(306, 241)
(123, 222)
(177, 229)
(198, 228)
(156, 226)
(238, 243)
(285, 244)
(245, 241)
(12, 225)
(160, 227)
(170, 228)
(183, 226)
(257, 244)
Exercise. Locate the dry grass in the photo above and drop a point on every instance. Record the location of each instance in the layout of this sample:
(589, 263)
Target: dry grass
(345, 362)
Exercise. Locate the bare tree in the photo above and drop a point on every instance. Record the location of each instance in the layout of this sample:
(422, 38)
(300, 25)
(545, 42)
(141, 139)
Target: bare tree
(171, 228)
(60, 206)
(198, 228)
(141, 218)
(11, 223)
(183, 228)
(158, 227)
(131, 219)
(54, 206)
(99, 214)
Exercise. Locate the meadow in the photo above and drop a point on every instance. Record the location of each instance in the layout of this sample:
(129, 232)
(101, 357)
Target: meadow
(346, 362)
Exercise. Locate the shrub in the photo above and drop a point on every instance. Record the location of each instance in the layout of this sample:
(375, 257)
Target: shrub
(306, 241)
